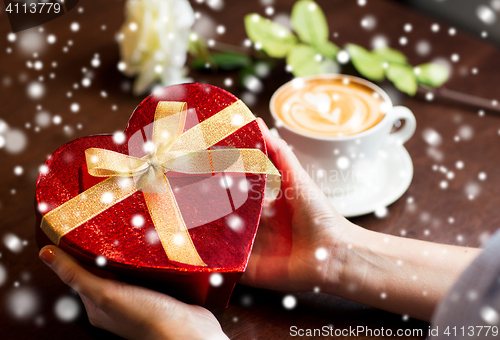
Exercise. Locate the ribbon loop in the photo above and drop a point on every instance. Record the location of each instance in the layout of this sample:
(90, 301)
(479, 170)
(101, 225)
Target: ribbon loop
(107, 163)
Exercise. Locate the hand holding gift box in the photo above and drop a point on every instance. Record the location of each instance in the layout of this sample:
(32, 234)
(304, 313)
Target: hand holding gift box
(168, 154)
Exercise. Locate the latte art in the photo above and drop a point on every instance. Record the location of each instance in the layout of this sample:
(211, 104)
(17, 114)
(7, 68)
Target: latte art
(329, 107)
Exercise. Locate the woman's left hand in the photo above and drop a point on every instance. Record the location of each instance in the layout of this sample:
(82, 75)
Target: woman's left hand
(130, 311)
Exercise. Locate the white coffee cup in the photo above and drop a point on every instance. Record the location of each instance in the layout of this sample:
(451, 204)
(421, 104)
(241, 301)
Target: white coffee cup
(341, 165)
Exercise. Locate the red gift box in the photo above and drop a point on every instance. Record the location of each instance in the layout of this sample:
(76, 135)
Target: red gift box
(172, 204)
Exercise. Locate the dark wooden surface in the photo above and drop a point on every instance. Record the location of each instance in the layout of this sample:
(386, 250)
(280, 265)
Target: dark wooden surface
(252, 314)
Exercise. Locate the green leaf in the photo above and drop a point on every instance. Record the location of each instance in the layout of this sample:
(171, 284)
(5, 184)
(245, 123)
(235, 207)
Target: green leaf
(328, 49)
(227, 61)
(390, 55)
(231, 61)
(432, 74)
(308, 20)
(197, 48)
(368, 64)
(276, 40)
(403, 78)
(303, 60)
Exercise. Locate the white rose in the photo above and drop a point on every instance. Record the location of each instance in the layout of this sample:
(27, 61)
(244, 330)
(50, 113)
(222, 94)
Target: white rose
(154, 41)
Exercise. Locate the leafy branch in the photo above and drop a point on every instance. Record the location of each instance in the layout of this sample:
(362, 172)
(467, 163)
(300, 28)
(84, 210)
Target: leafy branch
(309, 52)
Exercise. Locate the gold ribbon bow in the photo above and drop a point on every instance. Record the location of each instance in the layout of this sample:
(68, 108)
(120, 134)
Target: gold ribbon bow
(171, 149)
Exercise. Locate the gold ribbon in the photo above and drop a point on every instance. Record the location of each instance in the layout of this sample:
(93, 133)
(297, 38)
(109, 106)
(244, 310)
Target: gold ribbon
(171, 149)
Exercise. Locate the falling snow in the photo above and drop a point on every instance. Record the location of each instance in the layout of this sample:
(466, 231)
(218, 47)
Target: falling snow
(216, 5)
(51, 39)
(246, 301)
(75, 27)
(216, 279)
(67, 309)
(75, 107)
(381, 212)
(22, 303)
(243, 185)
(489, 315)
(289, 302)
(486, 15)
(432, 137)
(226, 182)
(321, 254)
(13, 243)
(466, 132)
(107, 197)
(43, 119)
(423, 47)
(379, 41)
(119, 137)
(228, 82)
(253, 84)
(343, 162)
(472, 190)
(343, 57)
(36, 90)
(101, 261)
(443, 184)
(369, 22)
(235, 222)
(138, 221)
(18, 170)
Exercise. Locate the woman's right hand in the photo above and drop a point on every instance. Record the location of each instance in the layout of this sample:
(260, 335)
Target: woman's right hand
(300, 242)
(303, 243)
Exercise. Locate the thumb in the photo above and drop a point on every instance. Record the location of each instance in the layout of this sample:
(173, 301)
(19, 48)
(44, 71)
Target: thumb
(71, 273)
(283, 158)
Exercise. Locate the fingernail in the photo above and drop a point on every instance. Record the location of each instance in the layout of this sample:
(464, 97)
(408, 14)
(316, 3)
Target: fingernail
(48, 256)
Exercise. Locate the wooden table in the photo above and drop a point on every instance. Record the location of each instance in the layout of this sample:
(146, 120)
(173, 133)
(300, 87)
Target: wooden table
(425, 212)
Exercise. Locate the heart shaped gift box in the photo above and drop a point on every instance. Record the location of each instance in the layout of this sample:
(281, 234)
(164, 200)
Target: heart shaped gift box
(172, 204)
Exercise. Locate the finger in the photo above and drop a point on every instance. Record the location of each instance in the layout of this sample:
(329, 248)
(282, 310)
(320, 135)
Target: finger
(283, 157)
(272, 142)
(71, 273)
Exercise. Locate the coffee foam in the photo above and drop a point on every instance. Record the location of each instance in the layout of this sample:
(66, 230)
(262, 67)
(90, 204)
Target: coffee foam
(329, 107)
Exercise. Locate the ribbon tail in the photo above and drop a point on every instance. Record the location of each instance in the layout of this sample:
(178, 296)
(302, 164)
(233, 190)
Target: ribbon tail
(85, 206)
(170, 225)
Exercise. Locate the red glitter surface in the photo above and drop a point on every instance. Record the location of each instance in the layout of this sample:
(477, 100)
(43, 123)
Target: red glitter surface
(135, 254)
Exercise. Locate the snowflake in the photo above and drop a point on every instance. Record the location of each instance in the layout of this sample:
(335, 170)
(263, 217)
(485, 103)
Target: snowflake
(432, 137)
(101, 261)
(321, 254)
(67, 309)
(74, 107)
(289, 302)
(13, 243)
(489, 315)
(235, 222)
(75, 26)
(216, 279)
(381, 212)
(137, 221)
(36, 90)
(18, 170)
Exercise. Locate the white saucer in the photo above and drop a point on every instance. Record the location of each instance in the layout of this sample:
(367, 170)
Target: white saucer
(395, 172)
